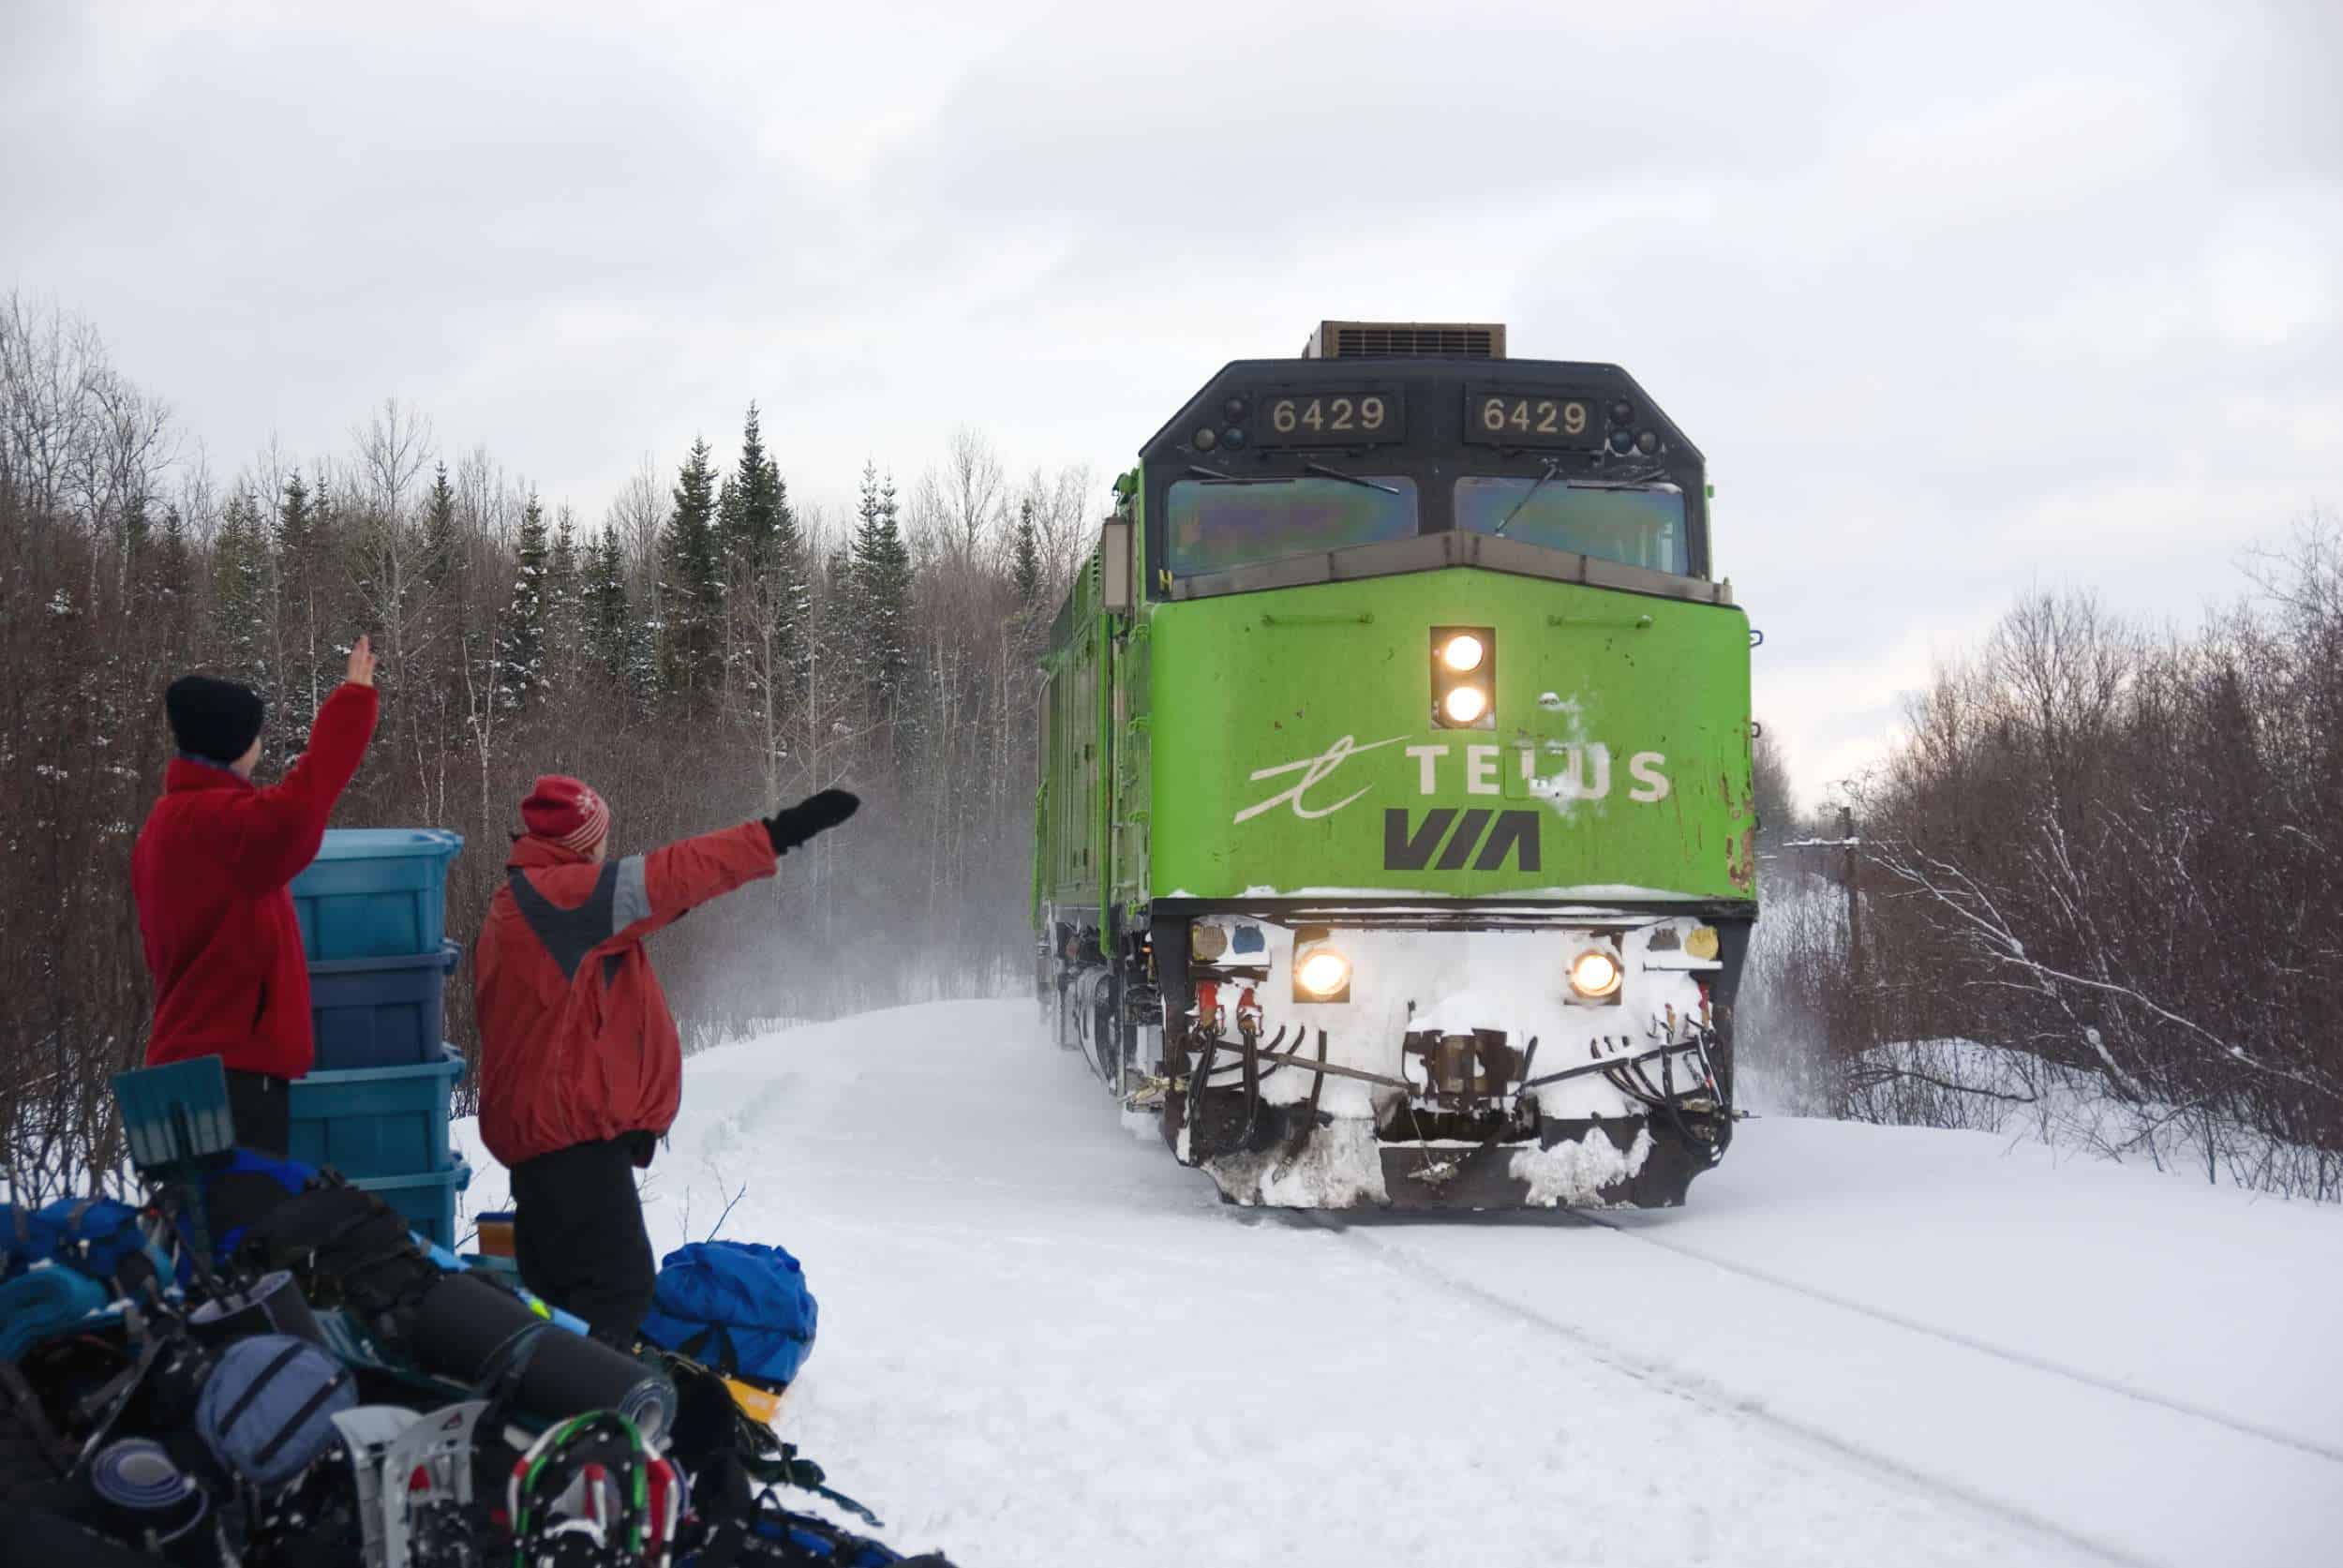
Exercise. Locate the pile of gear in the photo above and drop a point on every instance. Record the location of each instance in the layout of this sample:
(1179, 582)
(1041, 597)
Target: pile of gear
(261, 1365)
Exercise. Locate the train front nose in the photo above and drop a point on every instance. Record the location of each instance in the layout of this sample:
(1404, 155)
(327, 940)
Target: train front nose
(1371, 1062)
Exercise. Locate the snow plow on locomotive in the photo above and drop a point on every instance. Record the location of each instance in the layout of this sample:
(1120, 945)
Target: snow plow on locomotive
(1393, 843)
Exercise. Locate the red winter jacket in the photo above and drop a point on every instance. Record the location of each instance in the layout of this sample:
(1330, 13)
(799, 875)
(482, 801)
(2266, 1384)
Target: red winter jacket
(210, 873)
(576, 1041)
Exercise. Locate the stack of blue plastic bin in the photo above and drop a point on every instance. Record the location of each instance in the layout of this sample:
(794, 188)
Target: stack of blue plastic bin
(373, 909)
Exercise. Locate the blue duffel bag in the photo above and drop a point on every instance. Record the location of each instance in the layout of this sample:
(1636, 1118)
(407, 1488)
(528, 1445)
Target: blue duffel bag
(738, 1306)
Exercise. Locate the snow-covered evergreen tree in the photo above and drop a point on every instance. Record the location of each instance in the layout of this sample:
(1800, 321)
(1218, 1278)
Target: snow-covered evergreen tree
(563, 616)
(521, 639)
(440, 542)
(691, 569)
(240, 593)
(882, 596)
(296, 519)
(759, 514)
(1024, 560)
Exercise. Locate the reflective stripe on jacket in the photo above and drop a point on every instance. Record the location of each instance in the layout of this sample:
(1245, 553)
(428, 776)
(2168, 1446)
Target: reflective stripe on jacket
(576, 1044)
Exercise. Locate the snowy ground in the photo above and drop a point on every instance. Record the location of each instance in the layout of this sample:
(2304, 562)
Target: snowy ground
(1044, 1343)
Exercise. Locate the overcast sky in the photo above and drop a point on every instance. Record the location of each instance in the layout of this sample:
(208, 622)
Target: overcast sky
(2016, 294)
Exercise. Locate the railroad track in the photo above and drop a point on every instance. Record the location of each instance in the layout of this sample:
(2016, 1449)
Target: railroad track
(1376, 1238)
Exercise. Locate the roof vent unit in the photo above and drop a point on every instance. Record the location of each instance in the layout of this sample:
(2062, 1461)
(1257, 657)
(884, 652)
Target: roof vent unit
(1405, 340)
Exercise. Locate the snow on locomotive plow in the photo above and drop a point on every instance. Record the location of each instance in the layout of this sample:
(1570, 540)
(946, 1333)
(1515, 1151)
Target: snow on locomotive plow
(1392, 843)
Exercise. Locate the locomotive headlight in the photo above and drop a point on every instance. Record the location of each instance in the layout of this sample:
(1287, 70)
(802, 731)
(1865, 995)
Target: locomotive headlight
(1594, 974)
(1462, 652)
(1464, 677)
(1322, 971)
(1323, 974)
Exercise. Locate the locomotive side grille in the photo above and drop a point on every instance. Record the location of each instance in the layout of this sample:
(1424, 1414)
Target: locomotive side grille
(1405, 340)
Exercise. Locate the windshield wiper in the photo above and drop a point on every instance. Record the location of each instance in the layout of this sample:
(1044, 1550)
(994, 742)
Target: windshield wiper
(1350, 478)
(1553, 466)
(1622, 476)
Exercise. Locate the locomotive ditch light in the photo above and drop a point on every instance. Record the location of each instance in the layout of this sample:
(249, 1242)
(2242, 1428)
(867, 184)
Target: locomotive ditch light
(1701, 943)
(1322, 972)
(1595, 974)
(1464, 677)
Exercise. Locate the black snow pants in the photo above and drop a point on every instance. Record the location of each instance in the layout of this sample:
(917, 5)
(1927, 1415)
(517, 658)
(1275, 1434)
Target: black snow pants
(578, 1236)
(261, 1109)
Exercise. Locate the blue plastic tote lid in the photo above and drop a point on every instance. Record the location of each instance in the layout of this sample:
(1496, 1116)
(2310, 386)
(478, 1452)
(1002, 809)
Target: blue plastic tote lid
(386, 844)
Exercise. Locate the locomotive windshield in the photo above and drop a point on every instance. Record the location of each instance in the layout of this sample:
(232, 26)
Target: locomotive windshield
(1215, 525)
(1287, 471)
(1641, 525)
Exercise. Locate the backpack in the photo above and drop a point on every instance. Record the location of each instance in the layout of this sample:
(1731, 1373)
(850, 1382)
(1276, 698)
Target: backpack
(736, 1306)
(95, 1237)
(268, 1408)
(347, 1246)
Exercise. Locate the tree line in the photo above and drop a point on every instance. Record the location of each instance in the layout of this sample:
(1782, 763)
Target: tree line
(704, 650)
(2097, 887)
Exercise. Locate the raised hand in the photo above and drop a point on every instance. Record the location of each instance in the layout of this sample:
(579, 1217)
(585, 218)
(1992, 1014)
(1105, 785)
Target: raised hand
(361, 662)
(793, 825)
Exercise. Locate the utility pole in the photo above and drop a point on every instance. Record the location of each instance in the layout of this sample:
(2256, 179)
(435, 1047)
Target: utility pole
(1848, 842)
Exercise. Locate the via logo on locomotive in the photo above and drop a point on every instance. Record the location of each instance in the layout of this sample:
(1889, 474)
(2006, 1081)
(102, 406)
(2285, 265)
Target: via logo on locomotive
(1410, 839)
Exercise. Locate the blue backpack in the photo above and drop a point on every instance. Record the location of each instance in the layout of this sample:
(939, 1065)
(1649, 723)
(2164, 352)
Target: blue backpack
(734, 1305)
(93, 1236)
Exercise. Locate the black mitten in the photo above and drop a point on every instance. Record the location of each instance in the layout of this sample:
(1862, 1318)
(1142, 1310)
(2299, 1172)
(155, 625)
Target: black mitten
(793, 825)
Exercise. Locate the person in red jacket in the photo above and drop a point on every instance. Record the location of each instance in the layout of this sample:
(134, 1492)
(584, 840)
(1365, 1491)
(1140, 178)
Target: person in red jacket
(580, 1065)
(210, 873)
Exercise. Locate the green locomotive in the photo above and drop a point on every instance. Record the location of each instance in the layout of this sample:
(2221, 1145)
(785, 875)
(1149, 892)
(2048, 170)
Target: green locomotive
(1394, 838)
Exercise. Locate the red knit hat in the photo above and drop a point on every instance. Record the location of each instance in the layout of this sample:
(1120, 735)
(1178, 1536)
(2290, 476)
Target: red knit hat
(566, 811)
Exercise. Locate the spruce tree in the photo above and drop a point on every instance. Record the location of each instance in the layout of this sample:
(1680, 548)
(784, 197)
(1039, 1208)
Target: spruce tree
(170, 555)
(297, 520)
(692, 579)
(882, 596)
(1024, 560)
(608, 626)
(764, 552)
(240, 592)
(439, 530)
(759, 505)
(562, 590)
(521, 639)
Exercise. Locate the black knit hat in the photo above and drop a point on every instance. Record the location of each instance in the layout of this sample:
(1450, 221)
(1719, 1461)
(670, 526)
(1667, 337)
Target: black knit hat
(216, 720)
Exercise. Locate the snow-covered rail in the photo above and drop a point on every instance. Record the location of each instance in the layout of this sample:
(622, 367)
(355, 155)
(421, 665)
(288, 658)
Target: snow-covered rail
(1644, 1367)
(2314, 1447)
